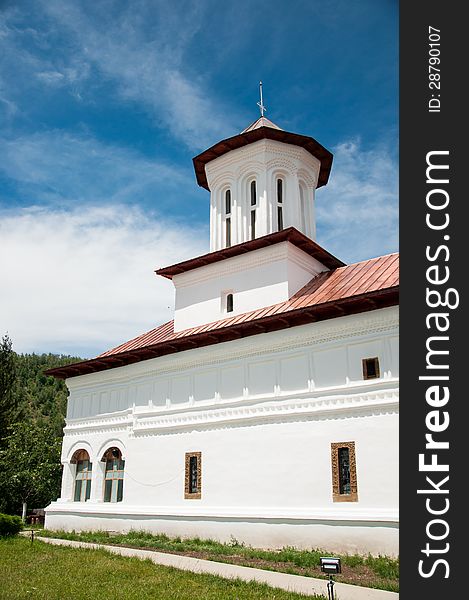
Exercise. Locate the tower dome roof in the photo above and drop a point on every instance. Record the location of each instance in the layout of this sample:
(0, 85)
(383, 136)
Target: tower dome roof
(261, 122)
(263, 128)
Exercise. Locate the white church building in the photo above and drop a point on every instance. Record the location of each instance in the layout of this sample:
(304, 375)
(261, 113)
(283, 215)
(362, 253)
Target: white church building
(267, 410)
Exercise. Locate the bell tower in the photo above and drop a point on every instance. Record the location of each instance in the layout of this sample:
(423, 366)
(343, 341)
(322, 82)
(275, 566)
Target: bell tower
(261, 181)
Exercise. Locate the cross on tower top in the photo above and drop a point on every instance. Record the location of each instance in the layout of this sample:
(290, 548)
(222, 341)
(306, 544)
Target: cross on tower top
(261, 103)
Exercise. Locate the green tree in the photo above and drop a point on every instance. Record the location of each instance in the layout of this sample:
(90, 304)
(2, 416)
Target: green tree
(30, 470)
(8, 398)
(32, 412)
(41, 398)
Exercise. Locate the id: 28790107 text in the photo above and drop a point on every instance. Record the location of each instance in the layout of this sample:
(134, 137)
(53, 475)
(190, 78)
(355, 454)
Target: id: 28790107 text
(434, 74)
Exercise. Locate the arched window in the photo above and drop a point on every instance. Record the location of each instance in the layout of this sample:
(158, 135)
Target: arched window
(280, 191)
(279, 204)
(114, 475)
(229, 303)
(82, 476)
(253, 189)
(228, 218)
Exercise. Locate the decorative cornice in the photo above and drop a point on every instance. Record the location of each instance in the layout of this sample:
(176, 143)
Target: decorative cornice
(380, 399)
(258, 153)
(307, 178)
(102, 423)
(336, 407)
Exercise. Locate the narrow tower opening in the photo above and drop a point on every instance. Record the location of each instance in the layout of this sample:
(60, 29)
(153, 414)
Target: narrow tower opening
(253, 188)
(228, 218)
(279, 204)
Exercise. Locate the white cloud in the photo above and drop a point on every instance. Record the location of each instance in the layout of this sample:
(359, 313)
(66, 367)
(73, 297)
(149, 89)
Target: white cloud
(137, 56)
(56, 167)
(82, 281)
(357, 211)
(50, 77)
(141, 51)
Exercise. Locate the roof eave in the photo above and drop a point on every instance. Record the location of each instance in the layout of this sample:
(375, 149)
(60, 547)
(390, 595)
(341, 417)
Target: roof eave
(243, 139)
(345, 306)
(289, 234)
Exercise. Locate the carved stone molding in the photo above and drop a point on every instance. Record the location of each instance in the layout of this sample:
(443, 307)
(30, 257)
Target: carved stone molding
(150, 421)
(267, 149)
(277, 411)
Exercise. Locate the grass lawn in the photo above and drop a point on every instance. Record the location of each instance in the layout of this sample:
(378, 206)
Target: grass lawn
(40, 571)
(380, 572)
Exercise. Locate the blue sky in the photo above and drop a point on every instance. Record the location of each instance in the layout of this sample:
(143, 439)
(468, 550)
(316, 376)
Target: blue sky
(104, 104)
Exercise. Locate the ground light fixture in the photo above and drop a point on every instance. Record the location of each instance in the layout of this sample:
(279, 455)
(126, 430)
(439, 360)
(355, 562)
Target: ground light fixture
(331, 566)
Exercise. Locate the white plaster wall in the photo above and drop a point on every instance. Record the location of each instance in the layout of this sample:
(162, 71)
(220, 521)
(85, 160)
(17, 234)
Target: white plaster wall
(264, 161)
(263, 411)
(276, 474)
(257, 279)
(277, 465)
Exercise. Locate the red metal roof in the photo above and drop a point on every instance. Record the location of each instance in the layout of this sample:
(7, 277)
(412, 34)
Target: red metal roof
(351, 289)
(254, 133)
(290, 234)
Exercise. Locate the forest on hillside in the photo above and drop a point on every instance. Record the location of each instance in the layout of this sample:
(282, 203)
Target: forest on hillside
(32, 413)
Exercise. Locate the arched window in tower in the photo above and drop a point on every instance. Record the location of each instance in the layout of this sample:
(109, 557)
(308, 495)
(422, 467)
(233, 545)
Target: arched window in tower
(253, 190)
(280, 204)
(82, 476)
(114, 475)
(229, 303)
(228, 218)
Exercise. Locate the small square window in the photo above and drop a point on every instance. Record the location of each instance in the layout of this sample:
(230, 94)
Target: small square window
(193, 476)
(370, 368)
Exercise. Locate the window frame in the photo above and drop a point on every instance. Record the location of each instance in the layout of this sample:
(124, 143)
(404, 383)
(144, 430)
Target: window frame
(252, 225)
(228, 211)
(365, 361)
(228, 232)
(188, 495)
(228, 206)
(253, 204)
(280, 218)
(83, 477)
(117, 476)
(253, 192)
(280, 195)
(336, 495)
